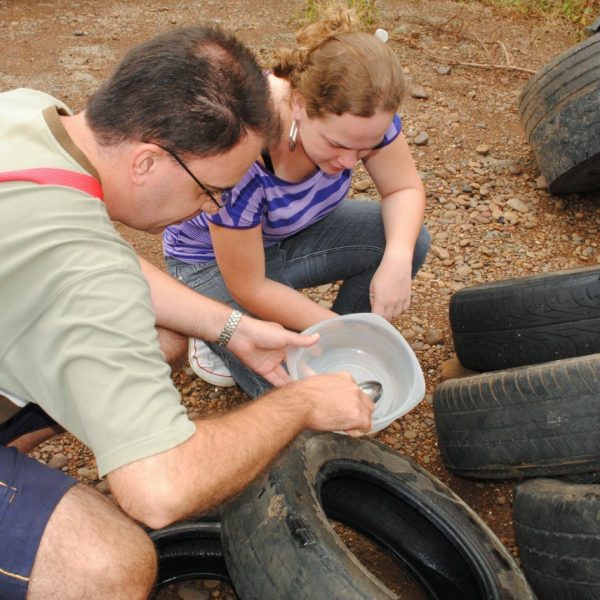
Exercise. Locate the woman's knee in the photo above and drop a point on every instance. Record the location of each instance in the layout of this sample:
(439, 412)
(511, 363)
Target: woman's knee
(421, 249)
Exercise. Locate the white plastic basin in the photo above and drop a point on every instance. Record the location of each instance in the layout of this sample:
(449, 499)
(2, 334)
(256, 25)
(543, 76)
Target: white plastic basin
(368, 347)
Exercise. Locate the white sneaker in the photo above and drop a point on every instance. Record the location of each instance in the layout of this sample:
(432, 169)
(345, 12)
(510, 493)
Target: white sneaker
(207, 365)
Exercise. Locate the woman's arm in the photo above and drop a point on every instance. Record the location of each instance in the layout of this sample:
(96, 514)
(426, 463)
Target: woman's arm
(241, 259)
(403, 208)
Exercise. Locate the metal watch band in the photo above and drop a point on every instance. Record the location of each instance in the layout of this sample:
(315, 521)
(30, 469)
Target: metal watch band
(229, 328)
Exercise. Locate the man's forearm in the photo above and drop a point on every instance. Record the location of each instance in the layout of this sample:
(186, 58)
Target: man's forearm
(219, 460)
(229, 451)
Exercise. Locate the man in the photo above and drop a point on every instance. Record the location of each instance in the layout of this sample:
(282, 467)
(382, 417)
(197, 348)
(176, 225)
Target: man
(181, 119)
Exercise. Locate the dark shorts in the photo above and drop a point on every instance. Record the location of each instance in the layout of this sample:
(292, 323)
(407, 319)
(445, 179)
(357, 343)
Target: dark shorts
(30, 418)
(29, 493)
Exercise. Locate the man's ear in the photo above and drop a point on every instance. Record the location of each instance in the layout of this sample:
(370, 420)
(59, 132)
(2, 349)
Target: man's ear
(144, 161)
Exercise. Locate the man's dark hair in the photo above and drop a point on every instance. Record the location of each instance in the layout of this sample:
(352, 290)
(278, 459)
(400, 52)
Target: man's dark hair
(196, 90)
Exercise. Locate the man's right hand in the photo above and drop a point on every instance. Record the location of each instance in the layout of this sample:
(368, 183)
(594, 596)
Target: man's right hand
(335, 403)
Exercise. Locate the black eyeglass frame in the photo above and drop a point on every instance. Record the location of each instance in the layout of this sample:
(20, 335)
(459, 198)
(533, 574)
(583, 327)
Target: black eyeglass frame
(189, 172)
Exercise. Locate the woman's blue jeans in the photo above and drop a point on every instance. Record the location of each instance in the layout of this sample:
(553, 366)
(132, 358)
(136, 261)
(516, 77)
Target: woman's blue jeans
(346, 245)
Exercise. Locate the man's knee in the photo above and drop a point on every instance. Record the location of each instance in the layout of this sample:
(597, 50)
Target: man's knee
(90, 549)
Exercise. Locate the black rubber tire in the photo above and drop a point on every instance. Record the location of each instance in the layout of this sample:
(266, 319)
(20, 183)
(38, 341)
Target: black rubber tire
(525, 422)
(450, 552)
(190, 550)
(558, 535)
(559, 114)
(527, 320)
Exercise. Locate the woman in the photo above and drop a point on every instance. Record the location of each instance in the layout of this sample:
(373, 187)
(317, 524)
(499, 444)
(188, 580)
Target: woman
(285, 227)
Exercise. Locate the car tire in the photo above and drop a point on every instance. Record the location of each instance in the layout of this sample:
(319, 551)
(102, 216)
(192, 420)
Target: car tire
(558, 535)
(540, 420)
(190, 550)
(559, 114)
(527, 320)
(445, 546)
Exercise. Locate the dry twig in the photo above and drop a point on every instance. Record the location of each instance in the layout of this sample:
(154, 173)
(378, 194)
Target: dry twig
(450, 61)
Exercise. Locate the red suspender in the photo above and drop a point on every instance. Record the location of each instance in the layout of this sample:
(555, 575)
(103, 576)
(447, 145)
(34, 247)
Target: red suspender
(46, 176)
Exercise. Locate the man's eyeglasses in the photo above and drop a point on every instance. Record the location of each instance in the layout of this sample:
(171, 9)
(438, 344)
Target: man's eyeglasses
(210, 194)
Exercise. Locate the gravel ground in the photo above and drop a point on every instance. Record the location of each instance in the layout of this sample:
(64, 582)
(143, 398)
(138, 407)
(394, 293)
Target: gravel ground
(489, 211)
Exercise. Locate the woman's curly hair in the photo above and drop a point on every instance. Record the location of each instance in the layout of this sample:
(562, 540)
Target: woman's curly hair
(339, 69)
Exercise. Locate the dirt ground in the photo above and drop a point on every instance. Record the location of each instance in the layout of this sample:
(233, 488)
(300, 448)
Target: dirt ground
(475, 162)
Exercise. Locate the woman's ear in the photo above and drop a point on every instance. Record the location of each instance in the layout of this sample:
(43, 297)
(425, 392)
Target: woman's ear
(298, 105)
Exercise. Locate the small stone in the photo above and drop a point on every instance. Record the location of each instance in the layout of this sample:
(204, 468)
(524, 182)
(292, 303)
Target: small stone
(421, 139)
(464, 271)
(419, 92)
(441, 253)
(362, 185)
(511, 217)
(426, 276)
(434, 337)
(410, 434)
(58, 461)
(443, 70)
(518, 205)
(541, 183)
(515, 169)
(88, 473)
(482, 149)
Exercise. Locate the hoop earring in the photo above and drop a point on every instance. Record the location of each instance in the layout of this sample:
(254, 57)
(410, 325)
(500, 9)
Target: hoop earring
(293, 137)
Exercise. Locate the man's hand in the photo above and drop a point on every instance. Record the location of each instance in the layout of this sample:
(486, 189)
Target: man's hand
(262, 346)
(335, 403)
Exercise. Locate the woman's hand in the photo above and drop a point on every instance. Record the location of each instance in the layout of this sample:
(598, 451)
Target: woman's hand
(390, 288)
(262, 346)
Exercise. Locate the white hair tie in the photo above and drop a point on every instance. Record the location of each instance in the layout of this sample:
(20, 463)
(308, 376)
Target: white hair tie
(382, 35)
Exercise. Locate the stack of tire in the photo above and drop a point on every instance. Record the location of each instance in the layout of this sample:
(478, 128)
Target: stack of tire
(275, 541)
(533, 413)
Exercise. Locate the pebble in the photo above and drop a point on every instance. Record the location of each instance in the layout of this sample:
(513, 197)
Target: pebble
(483, 149)
(421, 139)
(58, 461)
(518, 205)
(443, 70)
(362, 185)
(441, 253)
(419, 92)
(88, 473)
(434, 336)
